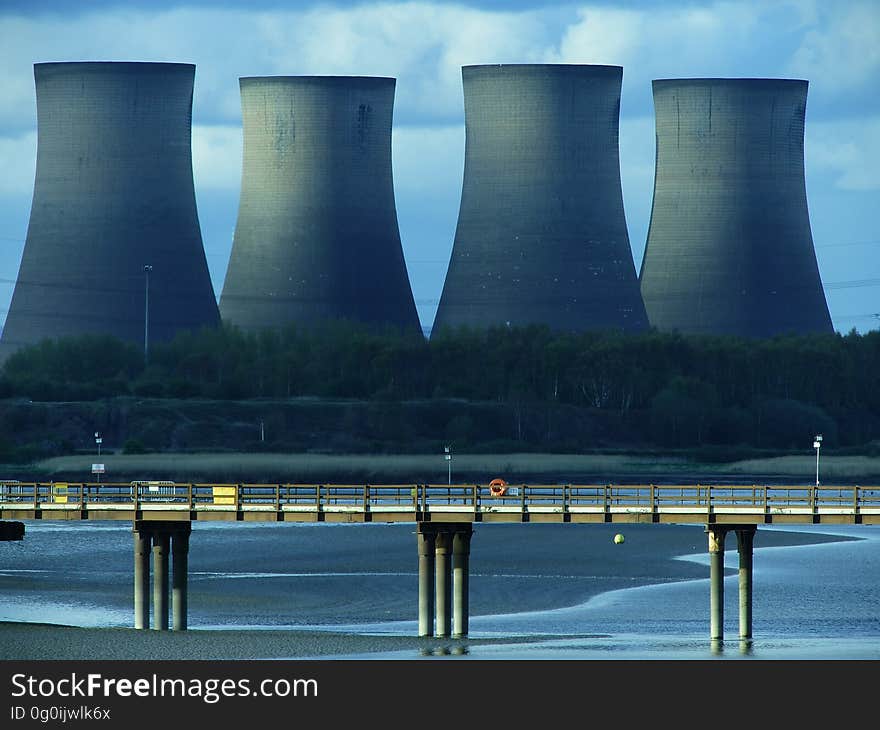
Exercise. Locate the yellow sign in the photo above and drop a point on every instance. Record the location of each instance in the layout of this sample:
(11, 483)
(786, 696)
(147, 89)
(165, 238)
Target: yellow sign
(59, 492)
(224, 495)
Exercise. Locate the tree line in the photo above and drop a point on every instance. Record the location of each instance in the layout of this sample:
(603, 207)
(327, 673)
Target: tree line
(660, 388)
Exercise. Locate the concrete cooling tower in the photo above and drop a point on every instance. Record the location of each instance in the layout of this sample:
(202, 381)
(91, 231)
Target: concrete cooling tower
(317, 236)
(729, 248)
(113, 194)
(541, 235)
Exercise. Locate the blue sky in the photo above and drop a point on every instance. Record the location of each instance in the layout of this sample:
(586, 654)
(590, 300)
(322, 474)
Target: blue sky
(834, 44)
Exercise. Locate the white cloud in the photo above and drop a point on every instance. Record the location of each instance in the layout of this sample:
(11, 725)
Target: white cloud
(848, 150)
(685, 41)
(602, 36)
(216, 152)
(18, 160)
(841, 50)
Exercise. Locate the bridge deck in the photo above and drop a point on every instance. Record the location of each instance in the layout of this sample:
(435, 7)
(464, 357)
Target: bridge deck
(685, 503)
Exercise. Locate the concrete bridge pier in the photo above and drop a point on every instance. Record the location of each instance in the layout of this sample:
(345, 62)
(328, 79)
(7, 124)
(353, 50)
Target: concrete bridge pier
(442, 582)
(745, 537)
(426, 582)
(444, 571)
(164, 538)
(179, 575)
(716, 582)
(161, 543)
(745, 540)
(461, 551)
(142, 540)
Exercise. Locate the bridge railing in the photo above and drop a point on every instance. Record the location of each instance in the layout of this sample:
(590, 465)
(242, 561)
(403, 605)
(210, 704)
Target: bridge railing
(424, 497)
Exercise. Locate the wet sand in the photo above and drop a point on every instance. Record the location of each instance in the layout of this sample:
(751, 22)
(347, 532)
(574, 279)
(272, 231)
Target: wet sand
(46, 641)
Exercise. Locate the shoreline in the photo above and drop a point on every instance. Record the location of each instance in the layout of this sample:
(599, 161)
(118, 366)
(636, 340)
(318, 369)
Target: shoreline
(48, 642)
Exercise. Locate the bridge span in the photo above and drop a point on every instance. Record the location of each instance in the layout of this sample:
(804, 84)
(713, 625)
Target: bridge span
(162, 513)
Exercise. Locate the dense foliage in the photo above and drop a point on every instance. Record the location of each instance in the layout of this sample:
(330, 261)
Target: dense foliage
(662, 389)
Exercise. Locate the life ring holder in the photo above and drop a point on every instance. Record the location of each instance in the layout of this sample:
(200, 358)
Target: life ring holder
(497, 487)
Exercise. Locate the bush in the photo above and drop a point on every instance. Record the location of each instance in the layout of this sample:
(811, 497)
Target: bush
(134, 446)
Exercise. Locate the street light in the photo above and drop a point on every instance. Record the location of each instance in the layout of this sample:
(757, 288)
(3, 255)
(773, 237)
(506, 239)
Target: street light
(98, 442)
(448, 450)
(147, 270)
(817, 444)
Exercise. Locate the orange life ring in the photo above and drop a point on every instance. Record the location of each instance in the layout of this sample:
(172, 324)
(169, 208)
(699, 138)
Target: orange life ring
(497, 487)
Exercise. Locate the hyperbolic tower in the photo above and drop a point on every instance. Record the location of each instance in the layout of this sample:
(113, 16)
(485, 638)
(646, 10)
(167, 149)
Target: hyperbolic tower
(113, 193)
(729, 249)
(317, 235)
(541, 235)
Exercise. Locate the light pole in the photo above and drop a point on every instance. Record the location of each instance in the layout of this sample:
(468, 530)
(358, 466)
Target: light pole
(817, 444)
(448, 450)
(98, 442)
(147, 270)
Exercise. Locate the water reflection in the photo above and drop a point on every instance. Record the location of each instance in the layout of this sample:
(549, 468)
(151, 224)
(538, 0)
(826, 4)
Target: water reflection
(457, 650)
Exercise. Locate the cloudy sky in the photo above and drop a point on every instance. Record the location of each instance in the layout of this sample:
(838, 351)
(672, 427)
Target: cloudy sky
(834, 44)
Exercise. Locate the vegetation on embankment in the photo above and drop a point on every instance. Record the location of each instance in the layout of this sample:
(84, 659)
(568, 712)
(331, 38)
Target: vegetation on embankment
(341, 389)
(520, 468)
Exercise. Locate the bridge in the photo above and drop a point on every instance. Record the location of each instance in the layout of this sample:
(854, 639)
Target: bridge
(162, 513)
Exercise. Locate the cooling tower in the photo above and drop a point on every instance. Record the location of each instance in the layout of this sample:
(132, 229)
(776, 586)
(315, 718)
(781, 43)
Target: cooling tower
(317, 237)
(541, 235)
(729, 248)
(113, 193)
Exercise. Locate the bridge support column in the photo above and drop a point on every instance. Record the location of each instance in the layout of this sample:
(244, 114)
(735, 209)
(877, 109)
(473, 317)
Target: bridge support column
(161, 541)
(141, 579)
(444, 578)
(179, 578)
(461, 550)
(745, 538)
(164, 537)
(443, 582)
(426, 581)
(716, 582)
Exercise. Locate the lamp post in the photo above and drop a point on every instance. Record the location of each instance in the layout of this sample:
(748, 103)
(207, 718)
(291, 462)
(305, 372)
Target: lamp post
(98, 442)
(817, 444)
(147, 270)
(448, 450)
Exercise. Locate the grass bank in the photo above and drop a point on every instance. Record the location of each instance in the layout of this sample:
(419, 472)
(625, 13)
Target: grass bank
(433, 469)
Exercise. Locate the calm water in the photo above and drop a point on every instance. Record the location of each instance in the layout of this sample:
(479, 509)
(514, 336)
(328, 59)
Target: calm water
(810, 601)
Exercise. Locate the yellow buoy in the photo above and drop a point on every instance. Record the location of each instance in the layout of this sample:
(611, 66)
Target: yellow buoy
(618, 538)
